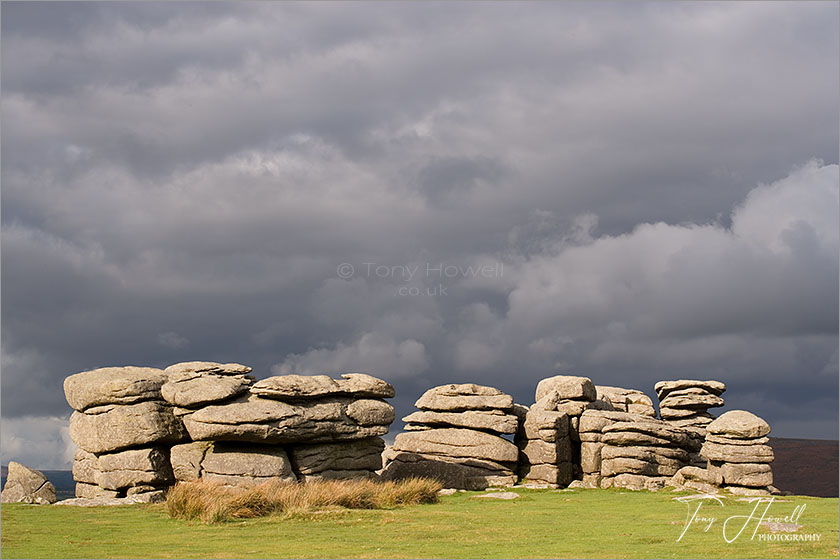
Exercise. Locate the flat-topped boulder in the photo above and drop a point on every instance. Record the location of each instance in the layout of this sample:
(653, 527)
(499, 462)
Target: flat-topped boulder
(465, 396)
(113, 385)
(109, 428)
(456, 442)
(246, 465)
(567, 387)
(488, 420)
(290, 387)
(213, 368)
(739, 424)
(27, 486)
(191, 389)
(663, 388)
(264, 420)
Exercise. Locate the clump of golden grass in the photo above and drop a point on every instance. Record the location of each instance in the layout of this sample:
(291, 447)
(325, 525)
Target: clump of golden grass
(213, 503)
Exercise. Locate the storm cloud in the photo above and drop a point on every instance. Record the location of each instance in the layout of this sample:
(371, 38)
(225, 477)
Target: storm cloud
(431, 193)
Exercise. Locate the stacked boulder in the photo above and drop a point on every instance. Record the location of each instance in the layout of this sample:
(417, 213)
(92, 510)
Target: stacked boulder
(685, 402)
(287, 427)
(590, 430)
(123, 428)
(545, 446)
(643, 453)
(738, 455)
(456, 438)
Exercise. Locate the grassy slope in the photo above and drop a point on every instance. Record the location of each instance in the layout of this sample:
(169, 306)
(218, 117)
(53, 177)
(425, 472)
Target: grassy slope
(580, 523)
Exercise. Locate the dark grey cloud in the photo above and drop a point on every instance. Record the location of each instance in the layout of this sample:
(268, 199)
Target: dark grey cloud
(651, 190)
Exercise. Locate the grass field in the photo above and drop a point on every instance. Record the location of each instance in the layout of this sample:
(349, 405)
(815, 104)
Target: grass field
(541, 523)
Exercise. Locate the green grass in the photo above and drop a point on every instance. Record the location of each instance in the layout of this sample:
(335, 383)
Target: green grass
(542, 523)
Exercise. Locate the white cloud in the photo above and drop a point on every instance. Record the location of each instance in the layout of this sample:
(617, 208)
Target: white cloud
(39, 442)
(381, 354)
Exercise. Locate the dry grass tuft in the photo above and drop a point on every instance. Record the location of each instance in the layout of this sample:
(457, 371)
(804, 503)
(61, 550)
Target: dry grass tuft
(214, 503)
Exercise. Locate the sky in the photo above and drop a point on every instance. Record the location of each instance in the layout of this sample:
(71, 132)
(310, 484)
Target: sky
(487, 193)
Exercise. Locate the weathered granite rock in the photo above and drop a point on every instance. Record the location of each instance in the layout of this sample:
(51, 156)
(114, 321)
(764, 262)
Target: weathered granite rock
(246, 465)
(113, 385)
(623, 433)
(104, 500)
(627, 400)
(699, 420)
(663, 388)
(91, 491)
(454, 472)
(661, 455)
(211, 368)
(748, 491)
(536, 451)
(457, 442)
(134, 467)
(555, 475)
(593, 421)
(747, 474)
(635, 482)
(714, 438)
(739, 424)
(85, 467)
(688, 473)
(186, 459)
(546, 425)
(192, 389)
(568, 387)
(109, 428)
(286, 387)
(264, 420)
(737, 453)
(466, 396)
(352, 456)
(27, 486)
(626, 465)
(489, 420)
(691, 401)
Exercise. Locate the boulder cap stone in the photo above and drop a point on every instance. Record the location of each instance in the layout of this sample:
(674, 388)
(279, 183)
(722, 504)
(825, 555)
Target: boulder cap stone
(296, 386)
(464, 396)
(113, 385)
(570, 387)
(662, 388)
(208, 367)
(739, 424)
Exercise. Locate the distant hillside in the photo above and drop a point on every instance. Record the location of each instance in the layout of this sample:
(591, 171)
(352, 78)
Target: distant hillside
(806, 467)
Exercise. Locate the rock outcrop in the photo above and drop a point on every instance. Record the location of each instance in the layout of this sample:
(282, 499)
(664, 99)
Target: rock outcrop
(456, 437)
(140, 430)
(28, 486)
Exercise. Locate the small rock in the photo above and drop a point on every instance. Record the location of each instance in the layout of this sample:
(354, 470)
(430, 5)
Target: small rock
(499, 495)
